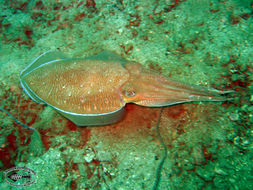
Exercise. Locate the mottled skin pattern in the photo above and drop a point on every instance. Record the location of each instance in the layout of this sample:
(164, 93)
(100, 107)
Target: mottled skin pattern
(85, 86)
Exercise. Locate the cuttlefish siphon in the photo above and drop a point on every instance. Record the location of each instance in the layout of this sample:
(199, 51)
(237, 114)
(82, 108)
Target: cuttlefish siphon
(94, 90)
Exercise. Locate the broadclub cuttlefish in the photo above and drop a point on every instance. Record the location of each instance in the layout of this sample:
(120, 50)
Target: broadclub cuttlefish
(94, 90)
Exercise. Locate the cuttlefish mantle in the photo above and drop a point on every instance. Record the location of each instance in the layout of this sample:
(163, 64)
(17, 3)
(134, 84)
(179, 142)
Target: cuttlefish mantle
(94, 90)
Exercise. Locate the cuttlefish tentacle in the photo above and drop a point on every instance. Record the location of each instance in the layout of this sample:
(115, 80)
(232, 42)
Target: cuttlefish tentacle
(148, 88)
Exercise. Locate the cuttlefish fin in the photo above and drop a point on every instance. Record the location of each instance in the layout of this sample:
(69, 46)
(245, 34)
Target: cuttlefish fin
(107, 55)
(44, 58)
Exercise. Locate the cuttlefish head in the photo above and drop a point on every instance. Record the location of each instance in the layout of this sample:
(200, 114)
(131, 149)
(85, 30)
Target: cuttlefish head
(149, 88)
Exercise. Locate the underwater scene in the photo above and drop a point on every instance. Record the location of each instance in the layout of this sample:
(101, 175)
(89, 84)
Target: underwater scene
(126, 94)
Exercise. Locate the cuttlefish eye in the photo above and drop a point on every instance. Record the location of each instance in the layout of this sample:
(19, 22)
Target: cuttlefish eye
(129, 93)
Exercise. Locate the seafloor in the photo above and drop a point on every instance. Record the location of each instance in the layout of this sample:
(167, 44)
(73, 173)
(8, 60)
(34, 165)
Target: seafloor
(203, 42)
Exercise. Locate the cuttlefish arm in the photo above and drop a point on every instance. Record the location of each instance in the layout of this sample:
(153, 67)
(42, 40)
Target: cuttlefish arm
(148, 88)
